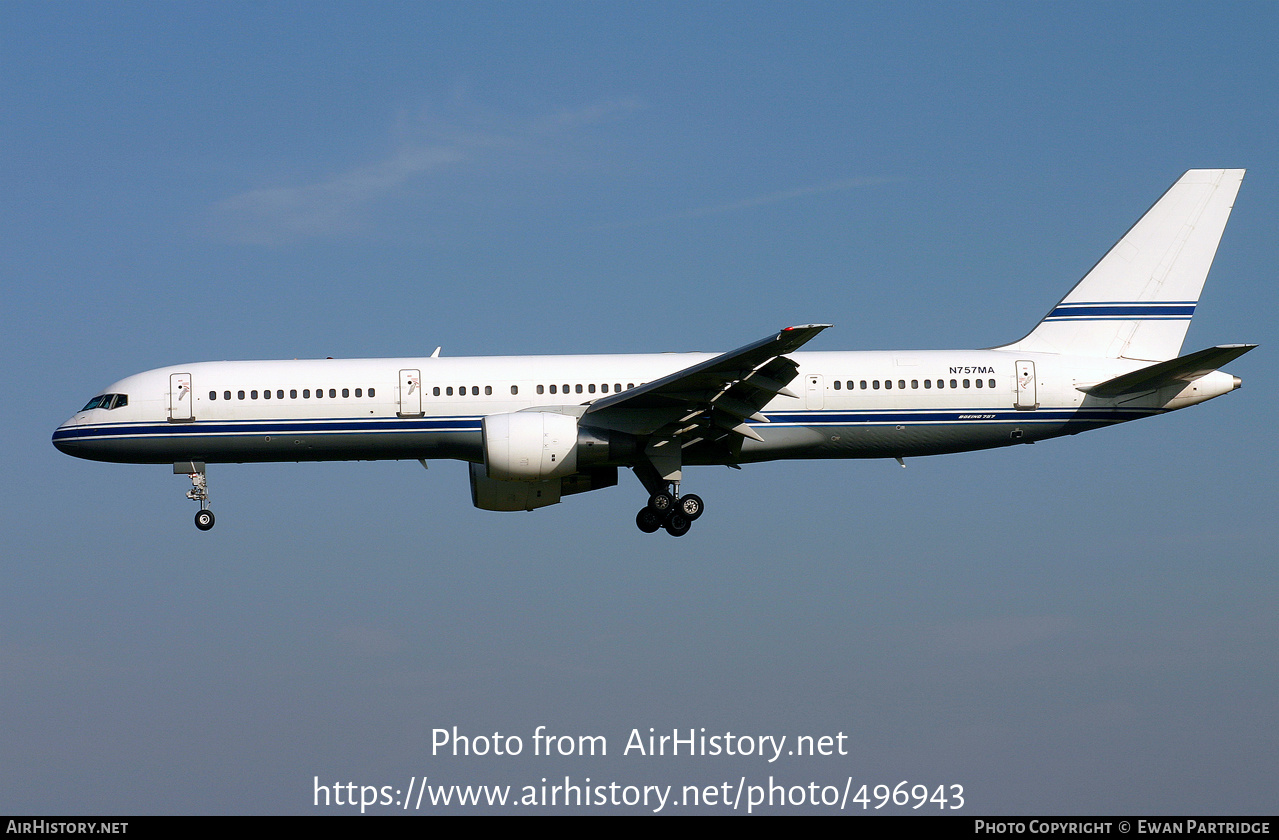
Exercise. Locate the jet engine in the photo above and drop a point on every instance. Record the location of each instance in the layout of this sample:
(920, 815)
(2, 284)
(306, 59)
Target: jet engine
(532, 458)
(491, 494)
(540, 445)
(530, 445)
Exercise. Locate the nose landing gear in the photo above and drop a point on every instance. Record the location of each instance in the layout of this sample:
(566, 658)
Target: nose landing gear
(199, 491)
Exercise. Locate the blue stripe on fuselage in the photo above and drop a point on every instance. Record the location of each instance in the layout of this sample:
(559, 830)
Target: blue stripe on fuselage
(397, 425)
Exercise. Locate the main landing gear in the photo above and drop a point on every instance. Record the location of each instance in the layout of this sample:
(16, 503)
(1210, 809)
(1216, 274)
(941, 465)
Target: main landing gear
(199, 491)
(667, 509)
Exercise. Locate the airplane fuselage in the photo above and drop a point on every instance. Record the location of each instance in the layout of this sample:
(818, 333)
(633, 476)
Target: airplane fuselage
(873, 404)
(537, 428)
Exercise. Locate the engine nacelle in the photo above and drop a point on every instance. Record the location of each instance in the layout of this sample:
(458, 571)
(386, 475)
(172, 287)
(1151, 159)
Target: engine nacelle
(530, 446)
(542, 445)
(491, 494)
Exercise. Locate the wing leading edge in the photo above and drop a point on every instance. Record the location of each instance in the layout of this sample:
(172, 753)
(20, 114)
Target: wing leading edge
(711, 399)
(723, 391)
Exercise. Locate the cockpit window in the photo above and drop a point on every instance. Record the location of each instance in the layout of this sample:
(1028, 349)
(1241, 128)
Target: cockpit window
(107, 401)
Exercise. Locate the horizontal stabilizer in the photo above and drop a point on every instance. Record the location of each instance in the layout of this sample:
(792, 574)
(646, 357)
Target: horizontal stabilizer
(1182, 369)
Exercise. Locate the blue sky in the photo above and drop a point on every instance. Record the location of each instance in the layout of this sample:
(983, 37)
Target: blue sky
(1085, 625)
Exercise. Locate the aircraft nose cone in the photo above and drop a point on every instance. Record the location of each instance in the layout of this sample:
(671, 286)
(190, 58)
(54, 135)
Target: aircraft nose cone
(64, 440)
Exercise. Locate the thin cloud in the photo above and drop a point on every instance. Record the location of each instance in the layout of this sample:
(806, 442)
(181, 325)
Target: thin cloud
(266, 216)
(837, 185)
(339, 204)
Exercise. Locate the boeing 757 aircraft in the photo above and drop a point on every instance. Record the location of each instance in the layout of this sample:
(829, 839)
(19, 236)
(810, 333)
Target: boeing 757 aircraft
(535, 429)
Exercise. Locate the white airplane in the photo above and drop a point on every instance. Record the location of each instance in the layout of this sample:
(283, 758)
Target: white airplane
(537, 428)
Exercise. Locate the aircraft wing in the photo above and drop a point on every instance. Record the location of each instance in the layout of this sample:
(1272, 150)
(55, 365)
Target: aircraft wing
(709, 400)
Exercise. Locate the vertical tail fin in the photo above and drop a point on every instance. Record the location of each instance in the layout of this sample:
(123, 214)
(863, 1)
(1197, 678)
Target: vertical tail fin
(1137, 302)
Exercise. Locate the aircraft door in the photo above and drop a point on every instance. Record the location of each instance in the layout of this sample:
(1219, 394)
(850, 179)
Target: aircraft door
(1026, 392)
(180, 397)
(410, 393)
(815, 390)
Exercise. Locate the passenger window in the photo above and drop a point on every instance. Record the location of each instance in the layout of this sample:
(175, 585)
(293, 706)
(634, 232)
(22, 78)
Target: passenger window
(954, 383)
(293, 393)
(914, 383)
(901, 383)
(590, 388)
(979, 383)
(253, 395)
(966, 383)
(928, 383)
(578, 388)
(541, 389)
(435, 392)
(333, 392)
(836, 384)
(617, 386)
(553, 388)
(213, 395)
(266, 395)
(991, 382)
(888, 384)
(875, 384)
(359, 392)
(604, 388)
(371, 394)
(475, 390)
(306, 393)
(346, 393)
(515, 389)
(448, 391)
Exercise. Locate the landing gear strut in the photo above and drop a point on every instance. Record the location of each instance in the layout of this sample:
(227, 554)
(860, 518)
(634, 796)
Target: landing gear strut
(667, 509)
(199, 491)
(660, 471)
